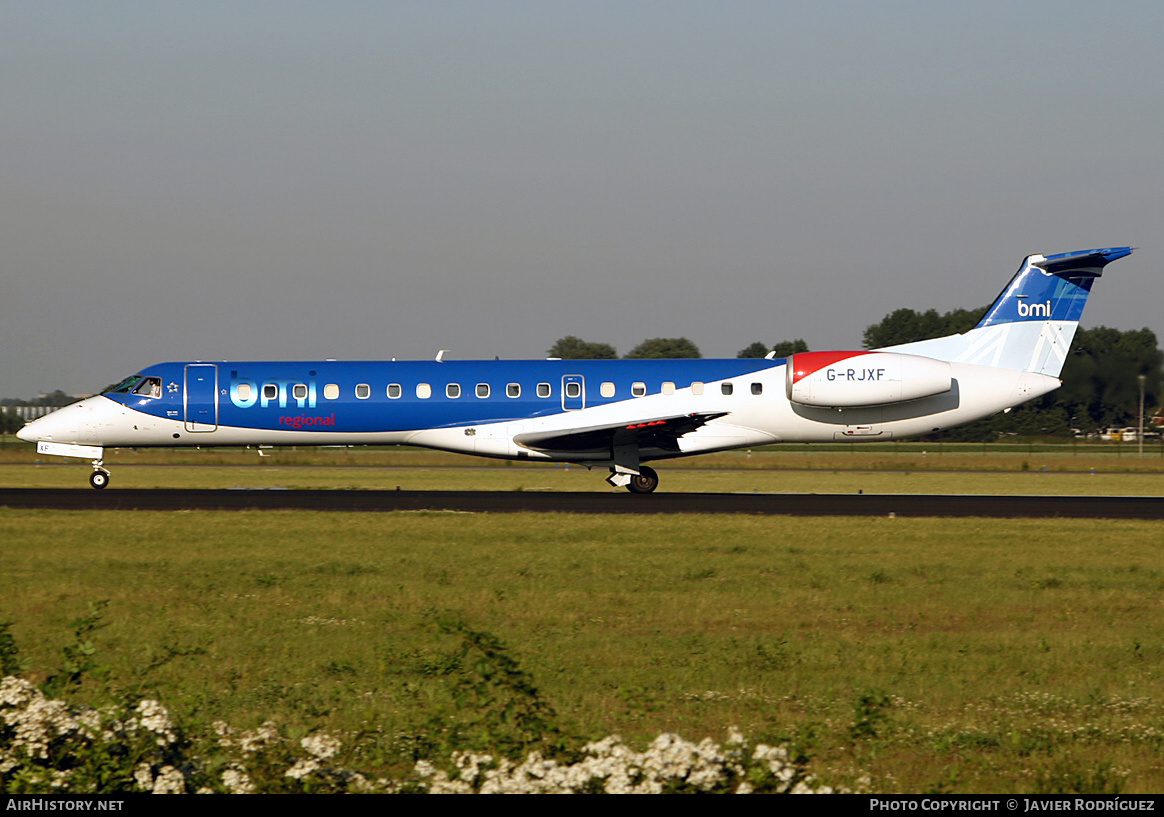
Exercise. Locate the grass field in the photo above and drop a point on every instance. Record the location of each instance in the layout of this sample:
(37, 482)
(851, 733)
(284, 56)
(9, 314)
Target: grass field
(907, 654)
(965, 654)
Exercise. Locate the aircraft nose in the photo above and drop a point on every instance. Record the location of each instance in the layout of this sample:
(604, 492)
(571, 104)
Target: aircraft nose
(76, 423)
(43, 428)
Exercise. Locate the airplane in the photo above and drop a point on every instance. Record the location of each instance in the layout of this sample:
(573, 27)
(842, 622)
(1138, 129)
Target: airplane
(610, 414)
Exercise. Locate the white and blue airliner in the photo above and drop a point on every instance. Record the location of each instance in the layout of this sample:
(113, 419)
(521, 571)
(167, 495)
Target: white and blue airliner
(610, 414)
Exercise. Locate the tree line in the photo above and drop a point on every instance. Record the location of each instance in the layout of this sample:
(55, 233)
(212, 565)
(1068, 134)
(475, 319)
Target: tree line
(574, 348)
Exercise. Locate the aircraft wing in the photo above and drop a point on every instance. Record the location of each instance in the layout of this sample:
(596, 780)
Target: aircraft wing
(657, 432)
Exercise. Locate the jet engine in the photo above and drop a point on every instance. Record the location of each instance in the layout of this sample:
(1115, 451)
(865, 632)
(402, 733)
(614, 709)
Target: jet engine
(850, 379)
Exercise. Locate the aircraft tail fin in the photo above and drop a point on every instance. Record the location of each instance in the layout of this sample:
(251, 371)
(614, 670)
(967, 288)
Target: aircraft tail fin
(1030, 325)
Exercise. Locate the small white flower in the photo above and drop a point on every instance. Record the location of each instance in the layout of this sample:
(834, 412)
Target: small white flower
(321, 746)
(303, 768)
(144, 777)
(16, 691)
(169, 781)
(237, 781)
(154, 718)
(266, 735)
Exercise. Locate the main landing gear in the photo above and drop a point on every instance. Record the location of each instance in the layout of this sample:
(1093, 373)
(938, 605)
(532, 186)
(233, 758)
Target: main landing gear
(100, 477)
(645, 481)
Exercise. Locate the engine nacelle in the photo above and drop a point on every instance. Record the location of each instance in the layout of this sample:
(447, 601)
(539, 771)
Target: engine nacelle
(851, 379)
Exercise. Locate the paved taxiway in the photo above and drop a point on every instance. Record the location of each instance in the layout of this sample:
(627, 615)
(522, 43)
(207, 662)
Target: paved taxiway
(1085, 507)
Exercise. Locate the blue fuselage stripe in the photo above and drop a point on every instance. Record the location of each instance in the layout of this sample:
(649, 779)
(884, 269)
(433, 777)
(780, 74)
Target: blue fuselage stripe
(298, 395)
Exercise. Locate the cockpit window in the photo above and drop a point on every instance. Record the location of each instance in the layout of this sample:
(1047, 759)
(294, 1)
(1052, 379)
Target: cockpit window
(149, 387)
(124, 386)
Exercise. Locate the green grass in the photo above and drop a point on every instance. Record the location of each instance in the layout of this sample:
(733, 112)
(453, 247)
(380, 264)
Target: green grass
(969, 655)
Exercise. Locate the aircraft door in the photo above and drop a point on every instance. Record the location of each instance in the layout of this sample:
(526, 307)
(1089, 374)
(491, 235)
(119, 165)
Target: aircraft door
(200, 397)
(573, 392)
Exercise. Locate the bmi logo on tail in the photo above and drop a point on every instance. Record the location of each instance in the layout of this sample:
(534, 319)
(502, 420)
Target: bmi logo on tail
(1026, 310)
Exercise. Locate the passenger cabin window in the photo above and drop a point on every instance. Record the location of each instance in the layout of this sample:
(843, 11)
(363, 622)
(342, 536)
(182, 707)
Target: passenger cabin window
(668, 387)
(757, 388)
(363, 391)
(423, 391)
(244, 392)
(394, 391)
(330, 391)
(725, 388)
(573, 389)
(453, 390)
(270, 391)
(513, 390)
(638, 389)
(543, 389)
(697, 388)
(606, 390)
(482, 389)
(299, 391)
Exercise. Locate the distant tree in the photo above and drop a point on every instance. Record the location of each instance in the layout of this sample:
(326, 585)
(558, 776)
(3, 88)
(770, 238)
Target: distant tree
(756, 349)
(574, 348)
(787, 348)
(784, 348)
(55, 398)
(1101, 386)
(10, 421)
(907, 325)
(664, 348)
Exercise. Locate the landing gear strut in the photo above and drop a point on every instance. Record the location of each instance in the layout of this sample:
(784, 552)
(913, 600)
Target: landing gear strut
(645, 481)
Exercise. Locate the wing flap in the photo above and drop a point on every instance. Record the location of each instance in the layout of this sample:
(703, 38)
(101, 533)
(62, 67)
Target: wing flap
(655, 432)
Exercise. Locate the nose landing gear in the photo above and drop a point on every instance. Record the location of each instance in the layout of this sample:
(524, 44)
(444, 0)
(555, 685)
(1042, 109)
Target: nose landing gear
(100, 477)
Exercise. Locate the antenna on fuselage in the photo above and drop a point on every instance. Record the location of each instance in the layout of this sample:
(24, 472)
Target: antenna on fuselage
(440, 358)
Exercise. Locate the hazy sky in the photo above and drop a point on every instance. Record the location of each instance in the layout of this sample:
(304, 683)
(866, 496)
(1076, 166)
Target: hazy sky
(204, 180)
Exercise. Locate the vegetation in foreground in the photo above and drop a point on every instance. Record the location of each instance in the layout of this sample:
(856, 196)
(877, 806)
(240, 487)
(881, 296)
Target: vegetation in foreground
(894, 654)
(133, 744)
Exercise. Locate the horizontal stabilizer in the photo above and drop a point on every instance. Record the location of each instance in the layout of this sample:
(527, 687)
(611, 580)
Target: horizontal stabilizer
(1082, 260)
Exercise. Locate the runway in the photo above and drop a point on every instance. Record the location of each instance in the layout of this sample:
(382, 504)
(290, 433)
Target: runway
(919, 505)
